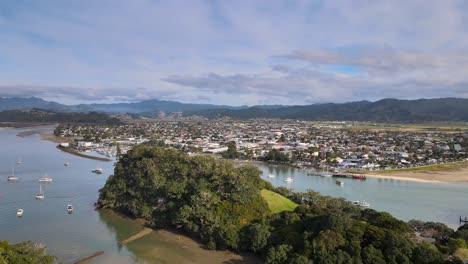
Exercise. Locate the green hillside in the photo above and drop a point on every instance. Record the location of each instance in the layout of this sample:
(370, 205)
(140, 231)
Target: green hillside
(276, 202)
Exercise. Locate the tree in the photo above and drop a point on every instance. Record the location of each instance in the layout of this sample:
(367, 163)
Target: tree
(255, 236)
(278, 255)
(24, 253)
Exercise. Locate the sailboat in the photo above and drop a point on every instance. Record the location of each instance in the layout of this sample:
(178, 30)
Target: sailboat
(326, 173)
(12, 177)
(19, 161)
(46, 179)
(289, 179)
(40, 196)
(271, 176)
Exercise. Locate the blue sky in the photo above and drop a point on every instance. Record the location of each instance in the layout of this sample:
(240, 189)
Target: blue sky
(233, 52)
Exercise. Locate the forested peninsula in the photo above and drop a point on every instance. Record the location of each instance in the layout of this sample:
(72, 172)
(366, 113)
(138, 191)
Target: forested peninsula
(223, 206)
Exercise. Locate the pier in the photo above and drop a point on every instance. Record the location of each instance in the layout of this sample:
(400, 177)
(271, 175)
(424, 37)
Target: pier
(463, 221)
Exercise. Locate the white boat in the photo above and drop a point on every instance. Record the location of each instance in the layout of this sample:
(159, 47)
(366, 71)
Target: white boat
(271, 176)
(289, 179)
(326, 173)
(361, 204)
(66, 164)
(69, 208)
(18, 162)
(12, 177)
(40, 196)
(46, 179)
(19, 213)
(97, 170)
(338, 182)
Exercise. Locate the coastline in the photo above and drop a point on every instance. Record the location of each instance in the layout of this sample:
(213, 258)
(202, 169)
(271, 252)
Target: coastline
(447, 176)
(79, 154)
(179, 240)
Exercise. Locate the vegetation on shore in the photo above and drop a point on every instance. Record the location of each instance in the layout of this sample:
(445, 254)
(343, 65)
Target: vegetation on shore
(276, 202)
(24, 253)
(223, 206)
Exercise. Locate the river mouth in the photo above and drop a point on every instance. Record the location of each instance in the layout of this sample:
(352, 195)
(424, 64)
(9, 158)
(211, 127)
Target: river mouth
(86, 231)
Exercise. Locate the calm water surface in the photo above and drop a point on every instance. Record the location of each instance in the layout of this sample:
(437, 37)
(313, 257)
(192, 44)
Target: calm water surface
(85, 231)
(441, 202)
(74, 236)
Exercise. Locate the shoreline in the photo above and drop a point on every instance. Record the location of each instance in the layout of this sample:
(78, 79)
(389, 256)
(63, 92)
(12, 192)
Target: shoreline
(441, 176)
(79, 154)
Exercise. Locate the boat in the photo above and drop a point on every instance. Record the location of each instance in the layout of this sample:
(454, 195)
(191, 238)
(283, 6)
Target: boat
(271, 176)
(289, 179)
(361, 204)
(46, 179)
(359, 177)
(364, 204)
(19, 213)
(97, 170)
(18, 162)
(12, 177)
(69, 208)
(40, 196)
(339, 183)
(66, 164)
(326, 173)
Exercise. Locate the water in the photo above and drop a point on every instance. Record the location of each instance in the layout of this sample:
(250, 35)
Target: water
(85, 231)
(440, 202)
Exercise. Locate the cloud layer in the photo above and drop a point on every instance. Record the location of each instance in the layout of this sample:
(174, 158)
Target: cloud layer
(287, 52)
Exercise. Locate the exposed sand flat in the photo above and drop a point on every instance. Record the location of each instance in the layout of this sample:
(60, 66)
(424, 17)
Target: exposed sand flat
(459, 175)
(54, 138)
(136, 236)
(90, 258)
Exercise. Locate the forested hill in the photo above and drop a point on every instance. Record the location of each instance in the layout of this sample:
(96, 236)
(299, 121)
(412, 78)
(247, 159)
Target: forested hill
(42, 116)
(386, 110)
(222, 205)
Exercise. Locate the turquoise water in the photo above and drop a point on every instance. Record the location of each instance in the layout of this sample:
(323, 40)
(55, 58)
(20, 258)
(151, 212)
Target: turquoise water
(85, 231)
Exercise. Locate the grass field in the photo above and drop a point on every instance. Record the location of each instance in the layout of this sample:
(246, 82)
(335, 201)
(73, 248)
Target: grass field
(276, 202)
(426, 127)
(436, 167)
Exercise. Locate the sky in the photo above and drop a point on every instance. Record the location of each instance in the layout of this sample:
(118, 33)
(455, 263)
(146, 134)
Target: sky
(233, 52)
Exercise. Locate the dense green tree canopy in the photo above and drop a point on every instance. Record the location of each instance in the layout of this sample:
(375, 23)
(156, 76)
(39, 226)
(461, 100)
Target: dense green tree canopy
(23, 253)
(221, 204)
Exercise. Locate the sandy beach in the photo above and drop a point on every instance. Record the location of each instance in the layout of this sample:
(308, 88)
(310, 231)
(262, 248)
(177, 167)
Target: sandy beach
(459, 175)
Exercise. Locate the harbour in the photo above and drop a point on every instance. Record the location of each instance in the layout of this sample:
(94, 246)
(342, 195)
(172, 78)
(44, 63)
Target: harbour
(86, 231)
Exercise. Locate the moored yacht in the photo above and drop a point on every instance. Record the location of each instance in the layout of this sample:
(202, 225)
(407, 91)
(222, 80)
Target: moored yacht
(40, 196)
(46, 179)
(19, 213)
(271, 176)
(338, 182)
(12, 178)
(69, 208)
(288, 179)
(97, 170)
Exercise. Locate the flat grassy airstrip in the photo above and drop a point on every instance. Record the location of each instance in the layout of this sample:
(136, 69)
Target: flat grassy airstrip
(276, 202)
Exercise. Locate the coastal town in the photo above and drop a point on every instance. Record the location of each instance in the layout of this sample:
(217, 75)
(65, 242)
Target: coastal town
(335, 146)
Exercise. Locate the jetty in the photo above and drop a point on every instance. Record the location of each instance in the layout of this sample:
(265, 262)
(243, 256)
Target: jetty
(142, 233)
(90, 258)
(463, 221)
(350, 175)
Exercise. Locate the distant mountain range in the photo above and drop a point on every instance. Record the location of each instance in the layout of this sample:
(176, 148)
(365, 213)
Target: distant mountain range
(149, 106)
(386, 110)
